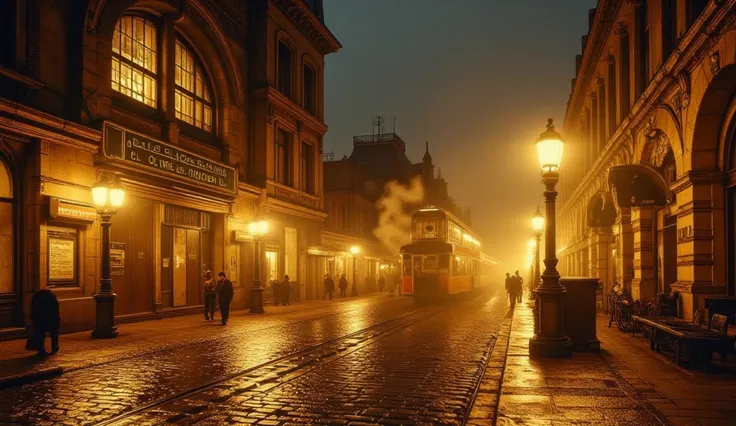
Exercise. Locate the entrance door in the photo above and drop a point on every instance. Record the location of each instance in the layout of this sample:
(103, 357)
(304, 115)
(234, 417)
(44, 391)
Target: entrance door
(180, 267)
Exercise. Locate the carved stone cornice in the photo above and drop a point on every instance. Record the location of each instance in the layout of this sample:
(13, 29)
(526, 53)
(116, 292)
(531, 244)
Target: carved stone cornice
(308, 23)
(279, 105)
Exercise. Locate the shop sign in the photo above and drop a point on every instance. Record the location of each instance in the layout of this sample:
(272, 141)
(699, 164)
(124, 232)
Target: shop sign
(164, 159)
(66, 211)
(117, 258)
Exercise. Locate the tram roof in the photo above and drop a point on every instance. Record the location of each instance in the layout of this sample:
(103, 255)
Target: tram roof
(440, 212)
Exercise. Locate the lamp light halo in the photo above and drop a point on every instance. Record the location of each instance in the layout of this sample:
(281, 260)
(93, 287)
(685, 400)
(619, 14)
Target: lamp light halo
(549, 148)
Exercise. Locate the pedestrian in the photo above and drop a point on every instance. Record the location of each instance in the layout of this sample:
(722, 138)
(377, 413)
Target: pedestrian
(225, 293)
(397, 280)
(381, 283)
(285, 287)
(210, 296)
(343, 284)
(519, 286)
(510, 290)
(45, 318)
(329, 287)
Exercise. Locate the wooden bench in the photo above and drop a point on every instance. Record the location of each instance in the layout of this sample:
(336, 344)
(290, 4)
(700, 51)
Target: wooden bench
(683, 336)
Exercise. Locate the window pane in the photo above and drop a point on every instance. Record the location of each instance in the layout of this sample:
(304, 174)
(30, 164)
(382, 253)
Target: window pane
(194, 106)
(134, 59)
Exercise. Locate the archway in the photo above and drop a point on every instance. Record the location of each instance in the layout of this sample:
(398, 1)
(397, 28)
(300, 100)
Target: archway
(8, 291)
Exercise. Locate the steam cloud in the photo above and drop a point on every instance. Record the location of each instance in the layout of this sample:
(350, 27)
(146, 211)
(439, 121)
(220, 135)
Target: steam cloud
(394, 222)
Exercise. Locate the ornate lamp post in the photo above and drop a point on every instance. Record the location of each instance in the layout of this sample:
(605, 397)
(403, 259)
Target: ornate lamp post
(550, 338)
(108, 197)
(354, 250)
(257, 229)
(538, 225)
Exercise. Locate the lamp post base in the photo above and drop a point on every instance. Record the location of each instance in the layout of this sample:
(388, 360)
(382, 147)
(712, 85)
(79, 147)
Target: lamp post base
(550, 339)
(555, 347)
(354, 291)
(256, 300)
(105, 327)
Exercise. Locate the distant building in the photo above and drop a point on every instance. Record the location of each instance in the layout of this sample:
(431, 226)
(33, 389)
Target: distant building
(647, 182)
(354, 184)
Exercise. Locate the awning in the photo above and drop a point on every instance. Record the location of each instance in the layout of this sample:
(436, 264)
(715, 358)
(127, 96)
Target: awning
(638, 185)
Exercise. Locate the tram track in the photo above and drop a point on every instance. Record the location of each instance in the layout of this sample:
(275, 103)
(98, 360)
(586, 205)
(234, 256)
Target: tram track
(272, 373)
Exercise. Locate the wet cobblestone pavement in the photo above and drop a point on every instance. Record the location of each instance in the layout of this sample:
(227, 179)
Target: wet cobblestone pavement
(385, 362)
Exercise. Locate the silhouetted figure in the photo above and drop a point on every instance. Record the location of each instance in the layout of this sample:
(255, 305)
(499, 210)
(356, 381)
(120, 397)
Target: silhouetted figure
(381, 283)
(329, 287)
(519, 286)
(511, 290)
(46, 319)
(285, 290)
(225, 293)
(210, 296)
(276, 292)
(343, 284)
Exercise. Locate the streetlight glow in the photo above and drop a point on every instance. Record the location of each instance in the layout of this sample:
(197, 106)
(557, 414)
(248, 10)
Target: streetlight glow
(549, 149)
(538, 221)
(354, 250)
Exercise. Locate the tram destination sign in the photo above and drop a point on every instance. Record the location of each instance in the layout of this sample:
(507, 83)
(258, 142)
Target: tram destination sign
(161, 158)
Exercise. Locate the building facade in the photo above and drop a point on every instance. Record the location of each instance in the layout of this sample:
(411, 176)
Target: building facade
(646, 183)
(210, 113)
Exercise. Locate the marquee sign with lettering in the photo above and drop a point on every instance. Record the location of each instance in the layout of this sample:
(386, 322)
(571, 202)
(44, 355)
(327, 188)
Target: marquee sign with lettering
(66, 211)
(164, 159)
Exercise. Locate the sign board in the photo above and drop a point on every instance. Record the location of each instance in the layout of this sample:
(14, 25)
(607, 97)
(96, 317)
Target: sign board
(117, 258)
(71, 212)
(242, 237)
(62, 253)
(164, 159)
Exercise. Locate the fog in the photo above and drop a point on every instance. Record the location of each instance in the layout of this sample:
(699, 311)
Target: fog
(476, 78)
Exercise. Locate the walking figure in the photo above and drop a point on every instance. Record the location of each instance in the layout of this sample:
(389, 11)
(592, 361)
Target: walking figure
(285, 290)
(46, 319)
(343, 284)
(329, 287)
(511, 290)
(225, 293)
(519, 286)
(210, 296)
(381, 283)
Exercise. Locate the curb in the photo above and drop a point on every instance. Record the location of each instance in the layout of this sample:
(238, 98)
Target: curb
(31, 377)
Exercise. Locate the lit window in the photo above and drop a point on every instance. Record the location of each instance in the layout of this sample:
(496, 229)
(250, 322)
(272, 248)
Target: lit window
(134, 59)
(192, 98)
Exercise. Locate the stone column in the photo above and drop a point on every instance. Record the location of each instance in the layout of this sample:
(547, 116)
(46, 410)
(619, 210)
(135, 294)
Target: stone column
(644, 284)
(602, 238)
(701, 262)
(592, 255)
(625, 233)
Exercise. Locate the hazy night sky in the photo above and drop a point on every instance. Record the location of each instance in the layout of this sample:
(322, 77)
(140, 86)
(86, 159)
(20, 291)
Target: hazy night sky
(475, 78)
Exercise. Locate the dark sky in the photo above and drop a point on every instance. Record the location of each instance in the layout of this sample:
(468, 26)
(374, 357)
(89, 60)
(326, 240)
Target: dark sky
(475, 78)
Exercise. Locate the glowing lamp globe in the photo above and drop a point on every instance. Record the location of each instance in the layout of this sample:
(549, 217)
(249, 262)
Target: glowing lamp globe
(99, 196)
(538, 221)
(549, 149)
(354, 250)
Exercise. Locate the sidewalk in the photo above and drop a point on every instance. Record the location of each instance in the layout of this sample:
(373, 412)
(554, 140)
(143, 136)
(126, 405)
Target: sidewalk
(79, 350)
(626, 383)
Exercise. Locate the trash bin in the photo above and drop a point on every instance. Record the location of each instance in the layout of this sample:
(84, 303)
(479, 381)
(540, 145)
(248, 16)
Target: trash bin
(580, 312)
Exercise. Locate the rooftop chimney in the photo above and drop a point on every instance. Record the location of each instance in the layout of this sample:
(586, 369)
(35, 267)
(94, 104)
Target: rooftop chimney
(591, 18)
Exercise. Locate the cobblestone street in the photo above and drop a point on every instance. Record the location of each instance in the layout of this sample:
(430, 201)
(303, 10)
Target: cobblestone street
(372, 360)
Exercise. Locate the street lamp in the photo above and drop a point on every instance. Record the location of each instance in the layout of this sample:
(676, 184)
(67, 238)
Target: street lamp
(538, 225)
(550, 339)
(107, 197)
(258, 230)
(354, 250)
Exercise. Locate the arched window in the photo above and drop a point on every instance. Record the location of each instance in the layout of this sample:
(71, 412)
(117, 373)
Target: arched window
(192, 94)
(134, 59)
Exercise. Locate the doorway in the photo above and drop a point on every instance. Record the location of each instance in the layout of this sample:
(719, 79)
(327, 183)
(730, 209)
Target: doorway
(186, 254)
(8, 292)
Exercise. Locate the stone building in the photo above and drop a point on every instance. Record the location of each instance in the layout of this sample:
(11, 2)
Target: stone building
(209, 112)
(353, 187)
(647, 187)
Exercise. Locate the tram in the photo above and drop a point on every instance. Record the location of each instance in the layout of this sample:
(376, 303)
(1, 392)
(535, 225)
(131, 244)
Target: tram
(443, 258)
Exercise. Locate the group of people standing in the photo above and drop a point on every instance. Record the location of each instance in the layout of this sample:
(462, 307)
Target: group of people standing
(514, 288)
(330, 286)
(221, 290)
(281, 291)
